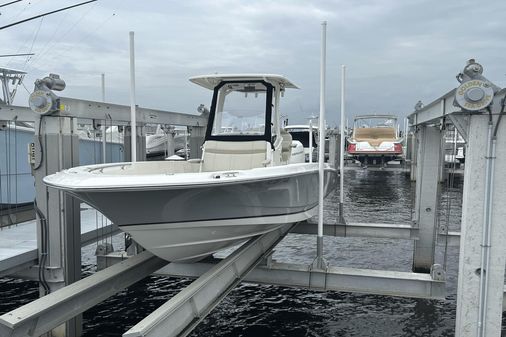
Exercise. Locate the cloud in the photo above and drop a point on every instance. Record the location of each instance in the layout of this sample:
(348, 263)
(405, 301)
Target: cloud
(397, 52)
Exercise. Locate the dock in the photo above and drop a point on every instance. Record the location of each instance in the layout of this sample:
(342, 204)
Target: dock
(51, 245)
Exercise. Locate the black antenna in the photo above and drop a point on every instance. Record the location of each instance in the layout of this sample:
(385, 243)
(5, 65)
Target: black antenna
(41, 15)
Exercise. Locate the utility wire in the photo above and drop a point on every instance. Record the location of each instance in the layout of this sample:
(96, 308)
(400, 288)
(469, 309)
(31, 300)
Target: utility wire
(12, 55)
(10, 3)
(48, 47)
(45, 14)
(33, 42)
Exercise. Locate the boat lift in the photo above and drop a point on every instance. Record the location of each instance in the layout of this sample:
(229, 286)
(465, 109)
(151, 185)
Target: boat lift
(69, 295)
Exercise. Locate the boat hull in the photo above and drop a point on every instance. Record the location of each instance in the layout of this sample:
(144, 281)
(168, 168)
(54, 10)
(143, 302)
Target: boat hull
(191, 221)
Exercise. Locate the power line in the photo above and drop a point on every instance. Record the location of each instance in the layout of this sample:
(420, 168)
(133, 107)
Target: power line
(48, 13)
(33, 41)
(10, 3)
(9, 55)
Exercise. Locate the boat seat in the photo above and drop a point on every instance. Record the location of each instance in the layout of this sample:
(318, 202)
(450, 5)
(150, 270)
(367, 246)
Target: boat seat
(286, 145)
(225, 156)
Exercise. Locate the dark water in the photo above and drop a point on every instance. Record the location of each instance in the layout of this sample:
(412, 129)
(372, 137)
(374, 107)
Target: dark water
(260, 310)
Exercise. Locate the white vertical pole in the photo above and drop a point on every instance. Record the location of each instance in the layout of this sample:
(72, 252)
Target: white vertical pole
(103, 87)
(341, 157)
(310, 141)
(321, 148)
(133, 120)
(104, 127)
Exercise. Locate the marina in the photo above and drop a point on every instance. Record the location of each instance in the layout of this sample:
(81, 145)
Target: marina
(217, 278)
(122, 220)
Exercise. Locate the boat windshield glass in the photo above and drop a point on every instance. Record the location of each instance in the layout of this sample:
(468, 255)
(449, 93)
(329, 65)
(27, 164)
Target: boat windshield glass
(303, 137)
(379, 122)
(242, 111)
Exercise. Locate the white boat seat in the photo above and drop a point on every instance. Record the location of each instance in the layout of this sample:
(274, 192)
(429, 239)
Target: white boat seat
(286, 145)
(224, 156)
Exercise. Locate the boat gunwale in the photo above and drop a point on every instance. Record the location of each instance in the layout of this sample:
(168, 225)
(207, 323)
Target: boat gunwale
(78, 176)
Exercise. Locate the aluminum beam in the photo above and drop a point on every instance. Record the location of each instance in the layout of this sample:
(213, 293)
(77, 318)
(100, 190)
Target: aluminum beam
(18, 113)
(80, 108)
(433, 112)
(46, 313)
(16, 215)
(473, 209)
(427, 196)
(18, 264)
(368, 281)
(183, 312)
(357, 229)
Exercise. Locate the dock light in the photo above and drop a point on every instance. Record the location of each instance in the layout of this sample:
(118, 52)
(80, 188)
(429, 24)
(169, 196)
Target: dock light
(43, 101)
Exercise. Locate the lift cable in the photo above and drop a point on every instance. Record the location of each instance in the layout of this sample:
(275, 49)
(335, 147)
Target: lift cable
(450, 184)
(45, 14)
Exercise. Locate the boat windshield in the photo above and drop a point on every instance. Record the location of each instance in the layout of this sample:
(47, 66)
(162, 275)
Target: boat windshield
(303, 137)
(242, 111)
(375, 122)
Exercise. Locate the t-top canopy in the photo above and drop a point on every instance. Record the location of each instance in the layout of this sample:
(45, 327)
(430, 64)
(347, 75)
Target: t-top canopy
(210, 81)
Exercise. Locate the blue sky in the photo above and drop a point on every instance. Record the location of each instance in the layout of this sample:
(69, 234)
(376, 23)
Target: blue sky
(396, 52)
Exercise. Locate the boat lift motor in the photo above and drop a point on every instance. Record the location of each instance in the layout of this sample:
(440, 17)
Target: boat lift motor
(43, 100)
(475, 92)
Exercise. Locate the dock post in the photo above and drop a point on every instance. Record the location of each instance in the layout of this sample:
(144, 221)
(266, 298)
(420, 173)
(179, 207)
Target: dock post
(427, 194)
(332, 147)
(413, 150)
(197, 134)
(171, 133)
(471, 246)
(58, 214)
(140, 143)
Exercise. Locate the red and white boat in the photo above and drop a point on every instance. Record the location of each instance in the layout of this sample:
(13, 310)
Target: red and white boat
(375, 140)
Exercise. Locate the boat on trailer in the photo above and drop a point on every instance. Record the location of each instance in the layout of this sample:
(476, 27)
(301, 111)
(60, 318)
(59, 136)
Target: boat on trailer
(245, 184)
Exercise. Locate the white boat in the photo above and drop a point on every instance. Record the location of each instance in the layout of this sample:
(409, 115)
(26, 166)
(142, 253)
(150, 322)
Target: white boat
(302, 134)
(244, 184)
(157, 144)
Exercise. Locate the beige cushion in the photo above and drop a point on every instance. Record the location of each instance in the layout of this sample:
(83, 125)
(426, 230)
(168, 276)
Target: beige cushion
(375, 136)
(286, 145)
(224, 156)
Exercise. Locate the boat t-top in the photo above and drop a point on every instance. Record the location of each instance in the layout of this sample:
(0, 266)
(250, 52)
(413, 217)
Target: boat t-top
(245, 184)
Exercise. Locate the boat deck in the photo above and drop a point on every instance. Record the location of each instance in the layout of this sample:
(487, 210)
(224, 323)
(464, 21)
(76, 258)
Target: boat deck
(18, 243)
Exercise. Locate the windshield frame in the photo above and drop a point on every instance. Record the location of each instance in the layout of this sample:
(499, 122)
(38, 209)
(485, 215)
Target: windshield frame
(267, 136)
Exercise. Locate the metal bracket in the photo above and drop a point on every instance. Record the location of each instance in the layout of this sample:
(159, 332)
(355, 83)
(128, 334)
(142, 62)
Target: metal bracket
(461, 123)
(443, 229)
(437, 272)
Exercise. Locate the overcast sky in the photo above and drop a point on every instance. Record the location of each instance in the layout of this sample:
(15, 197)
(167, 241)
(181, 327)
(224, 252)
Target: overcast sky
(396, 52)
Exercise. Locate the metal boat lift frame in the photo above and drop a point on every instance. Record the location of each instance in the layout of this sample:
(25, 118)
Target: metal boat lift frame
(470, 108)
(57, 131)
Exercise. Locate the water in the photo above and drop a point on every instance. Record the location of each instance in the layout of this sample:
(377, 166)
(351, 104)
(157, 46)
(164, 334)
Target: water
(262, 310)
